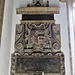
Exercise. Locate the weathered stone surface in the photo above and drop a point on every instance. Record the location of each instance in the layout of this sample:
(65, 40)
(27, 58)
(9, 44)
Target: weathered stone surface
(31, 64)
(37, 43)
(36, 62)
(38, 35)
(38, 7)
(38, 10)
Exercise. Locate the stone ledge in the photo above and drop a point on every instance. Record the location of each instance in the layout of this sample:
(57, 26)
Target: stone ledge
(38, 10)
(37, 21)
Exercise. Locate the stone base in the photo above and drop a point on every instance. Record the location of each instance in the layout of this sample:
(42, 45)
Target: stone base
(34, 63)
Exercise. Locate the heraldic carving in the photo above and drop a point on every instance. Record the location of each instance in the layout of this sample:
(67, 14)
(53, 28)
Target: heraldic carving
(37, 42)
(38, 36)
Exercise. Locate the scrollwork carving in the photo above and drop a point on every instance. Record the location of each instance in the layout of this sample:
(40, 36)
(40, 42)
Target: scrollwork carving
(37, 36)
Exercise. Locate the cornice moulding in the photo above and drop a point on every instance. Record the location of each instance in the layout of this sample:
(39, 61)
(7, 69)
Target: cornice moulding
(37, 21)
(38, 10)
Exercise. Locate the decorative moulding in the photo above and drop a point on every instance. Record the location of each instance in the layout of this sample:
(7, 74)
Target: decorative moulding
(37, 21)
(38, 10)
(44, 29)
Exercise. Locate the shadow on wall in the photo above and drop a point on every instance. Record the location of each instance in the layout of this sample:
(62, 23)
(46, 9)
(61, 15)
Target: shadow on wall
(2, 2)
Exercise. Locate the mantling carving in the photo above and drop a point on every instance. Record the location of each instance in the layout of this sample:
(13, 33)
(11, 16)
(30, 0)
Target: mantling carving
(41, 36)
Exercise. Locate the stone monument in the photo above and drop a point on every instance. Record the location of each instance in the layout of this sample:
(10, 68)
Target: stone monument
(38, 42)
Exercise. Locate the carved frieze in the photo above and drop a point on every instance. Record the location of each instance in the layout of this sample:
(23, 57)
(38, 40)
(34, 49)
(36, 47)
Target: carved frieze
(38, 10)
(41, 36)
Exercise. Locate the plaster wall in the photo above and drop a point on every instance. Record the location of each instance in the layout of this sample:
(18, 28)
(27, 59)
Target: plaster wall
(6, 38)
(72, 34)
(62, 20)
(9, 26)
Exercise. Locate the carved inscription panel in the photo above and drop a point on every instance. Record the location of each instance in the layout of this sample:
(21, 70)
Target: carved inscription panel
(37, 62)
(47, 65)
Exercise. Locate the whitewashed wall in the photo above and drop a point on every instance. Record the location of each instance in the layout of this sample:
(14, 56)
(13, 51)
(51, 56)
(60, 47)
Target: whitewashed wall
(6, 38)
(8, 33)
(62, 20)
(73, 53)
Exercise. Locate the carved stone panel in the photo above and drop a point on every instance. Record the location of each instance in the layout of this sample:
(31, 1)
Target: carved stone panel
(37, 62)
(31, 64)
(41, 36)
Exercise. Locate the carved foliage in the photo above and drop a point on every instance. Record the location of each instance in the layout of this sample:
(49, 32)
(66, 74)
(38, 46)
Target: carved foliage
(41, 36)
